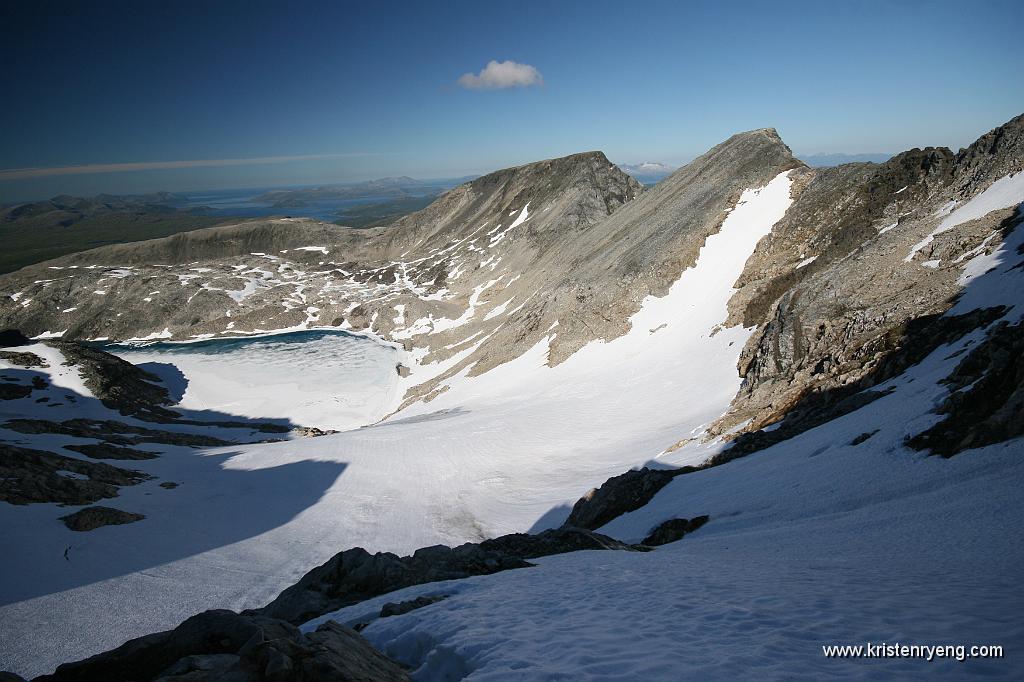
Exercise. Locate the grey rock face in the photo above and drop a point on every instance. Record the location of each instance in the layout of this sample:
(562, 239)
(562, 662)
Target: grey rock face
(830, 290)
(11, 391)
(92, 518)
(356, 575)
(890, 356)
(111, 431)
(216, 646)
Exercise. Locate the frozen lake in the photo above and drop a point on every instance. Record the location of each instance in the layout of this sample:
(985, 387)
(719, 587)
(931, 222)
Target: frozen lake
(323, 378)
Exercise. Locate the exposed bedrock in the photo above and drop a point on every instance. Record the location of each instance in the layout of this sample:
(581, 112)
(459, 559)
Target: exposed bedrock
(986, 396)
(618, 495)
(118, 384)
(887, 357)
(30, 475)
(355, 575)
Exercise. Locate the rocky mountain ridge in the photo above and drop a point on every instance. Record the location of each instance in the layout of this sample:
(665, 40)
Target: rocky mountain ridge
(565, 250)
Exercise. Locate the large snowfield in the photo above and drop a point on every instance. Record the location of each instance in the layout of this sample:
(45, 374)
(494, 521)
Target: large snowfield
(813, 541)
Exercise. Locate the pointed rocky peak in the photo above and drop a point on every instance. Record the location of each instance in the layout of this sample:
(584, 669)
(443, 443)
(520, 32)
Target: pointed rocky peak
(752, 158)
(562, 171)
(534, 202)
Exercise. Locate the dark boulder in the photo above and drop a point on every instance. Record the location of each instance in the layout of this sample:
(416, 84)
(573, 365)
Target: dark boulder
(403, 607)
(92, 518)
(673, 530)
(863, 437)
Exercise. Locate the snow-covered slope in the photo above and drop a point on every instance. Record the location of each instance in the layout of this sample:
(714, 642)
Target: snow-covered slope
(813, 542)
(841, 535)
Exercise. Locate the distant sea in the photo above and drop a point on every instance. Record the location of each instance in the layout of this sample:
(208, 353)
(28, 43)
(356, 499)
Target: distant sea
(242, 202)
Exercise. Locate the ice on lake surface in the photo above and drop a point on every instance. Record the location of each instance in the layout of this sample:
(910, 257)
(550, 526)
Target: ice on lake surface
(322, 378)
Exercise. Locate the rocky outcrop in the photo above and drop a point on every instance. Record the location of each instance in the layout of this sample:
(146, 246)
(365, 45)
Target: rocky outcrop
(119, 384)
(14, 391)
(986, 399)
(853, 265)
(355, 575)
(673, 530)
(217, 646)
(618, 495)
(92, 518)
(28, 476)
(553, 541)
(22, 359)
(883, 359)
(110, 451)
(112, 431)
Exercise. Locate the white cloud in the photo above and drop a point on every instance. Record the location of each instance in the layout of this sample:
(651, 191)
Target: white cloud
(501, 75)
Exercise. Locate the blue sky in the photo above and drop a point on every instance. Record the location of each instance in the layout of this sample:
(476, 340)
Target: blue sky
(371, 89)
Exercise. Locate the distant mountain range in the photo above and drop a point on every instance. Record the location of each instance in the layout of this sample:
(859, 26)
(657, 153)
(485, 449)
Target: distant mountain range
(40, 230)
(648, 172)
(824, 160)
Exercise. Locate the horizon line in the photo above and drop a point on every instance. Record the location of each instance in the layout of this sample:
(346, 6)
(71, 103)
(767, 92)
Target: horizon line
(99, 168)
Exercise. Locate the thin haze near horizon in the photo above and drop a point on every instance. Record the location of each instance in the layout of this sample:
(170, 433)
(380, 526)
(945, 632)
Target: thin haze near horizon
(127, 97)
